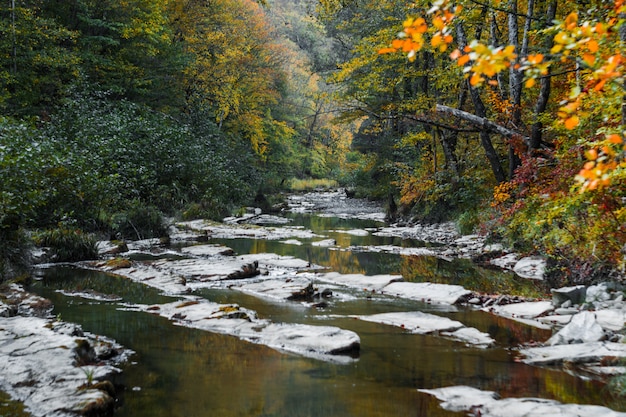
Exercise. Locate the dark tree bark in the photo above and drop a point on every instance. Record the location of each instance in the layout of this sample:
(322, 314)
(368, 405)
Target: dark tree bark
(481, 112)
(545, 85)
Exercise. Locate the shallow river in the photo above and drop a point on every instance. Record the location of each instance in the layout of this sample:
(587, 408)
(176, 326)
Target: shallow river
(185, 372)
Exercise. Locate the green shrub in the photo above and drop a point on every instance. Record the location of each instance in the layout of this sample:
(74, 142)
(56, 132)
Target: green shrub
(311, 184)
(68, 244)
(14, 254)
(468, 222)
(138, 222)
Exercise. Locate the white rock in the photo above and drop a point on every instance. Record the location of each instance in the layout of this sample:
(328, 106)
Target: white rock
(427, 292)
(485, 403)
(37, 367)
(325, 243)
(507, 261)
(577, 353)
(598, 293)
(522, 310)
(279, 289)
(471, 336)
(366, 282)
(206, 250)
(415, 321)
(611, 319)
(531, 267)
(291, 242)
(354, 232)
(321, 342)
(582, 328)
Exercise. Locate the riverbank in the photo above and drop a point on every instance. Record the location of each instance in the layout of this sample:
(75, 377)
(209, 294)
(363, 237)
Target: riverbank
(583, 325)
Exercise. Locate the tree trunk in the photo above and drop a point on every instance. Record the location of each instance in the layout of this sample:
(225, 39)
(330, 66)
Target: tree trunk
(481, 112)
(545, 85)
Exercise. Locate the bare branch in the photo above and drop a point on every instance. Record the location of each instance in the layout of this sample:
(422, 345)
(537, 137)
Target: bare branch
(482, 123)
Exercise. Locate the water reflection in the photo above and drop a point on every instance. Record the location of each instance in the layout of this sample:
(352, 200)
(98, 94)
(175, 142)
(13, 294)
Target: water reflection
(187, 372)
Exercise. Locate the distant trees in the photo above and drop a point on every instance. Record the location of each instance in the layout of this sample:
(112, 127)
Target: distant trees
(182, 107)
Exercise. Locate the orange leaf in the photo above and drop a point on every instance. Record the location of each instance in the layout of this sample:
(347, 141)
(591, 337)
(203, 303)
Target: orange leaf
(599, 86)
(572, 122)
(589, 59)
(397, 43)
(615, 138)
(592, 154)
(592, 46)
(476, 79)
(571, 21)
(463, 60)
(530, 82)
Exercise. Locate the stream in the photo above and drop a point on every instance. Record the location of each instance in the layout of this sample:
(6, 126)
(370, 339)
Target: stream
(179, 371)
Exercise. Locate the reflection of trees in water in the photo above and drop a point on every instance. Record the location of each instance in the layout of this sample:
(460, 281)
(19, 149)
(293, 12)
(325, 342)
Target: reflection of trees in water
(465, 273)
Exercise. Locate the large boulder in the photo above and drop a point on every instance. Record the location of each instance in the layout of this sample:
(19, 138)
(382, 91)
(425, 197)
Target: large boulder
(575, 295)
(582, 328)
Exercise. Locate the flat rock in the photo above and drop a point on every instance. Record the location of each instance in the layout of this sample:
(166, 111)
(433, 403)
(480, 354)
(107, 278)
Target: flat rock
(427, 292)
(486, 403)
(611, 319)
(531, 267)
(425, 323)
(38, 367)
(522, 310)
(398, 250)
(207, 250)
(366, 282)
(278, 289)
(507, 261)
(575, 353)
(321, 342)
(437, 233)
(234, 231)
(326, 243)
(354, 232)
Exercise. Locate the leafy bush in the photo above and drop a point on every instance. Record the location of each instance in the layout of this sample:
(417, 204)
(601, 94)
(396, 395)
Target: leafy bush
(14, 253)
(138, 222)
(296, 184)
(68, 244)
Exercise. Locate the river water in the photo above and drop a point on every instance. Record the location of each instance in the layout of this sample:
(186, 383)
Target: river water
(178, 371)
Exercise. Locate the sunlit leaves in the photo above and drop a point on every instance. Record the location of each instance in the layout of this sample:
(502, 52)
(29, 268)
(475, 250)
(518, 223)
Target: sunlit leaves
(416, 32)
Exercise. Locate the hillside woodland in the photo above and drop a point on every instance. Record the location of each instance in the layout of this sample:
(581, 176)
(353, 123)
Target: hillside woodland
(506, 116)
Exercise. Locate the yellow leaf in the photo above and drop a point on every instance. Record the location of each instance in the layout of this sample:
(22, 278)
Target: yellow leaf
(572, 122)
(476, 79)
(591, 154)
(530, 82)
(556, 49)
(438, 23)
(436, 40)
(571, 21)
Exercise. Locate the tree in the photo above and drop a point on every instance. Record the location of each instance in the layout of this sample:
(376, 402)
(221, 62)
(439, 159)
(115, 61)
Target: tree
(583, 57)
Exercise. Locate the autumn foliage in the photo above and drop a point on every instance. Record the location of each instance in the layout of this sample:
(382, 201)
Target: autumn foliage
(579, 214)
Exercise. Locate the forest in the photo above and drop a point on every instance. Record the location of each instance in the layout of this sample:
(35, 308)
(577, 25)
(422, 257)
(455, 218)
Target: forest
(505, 116)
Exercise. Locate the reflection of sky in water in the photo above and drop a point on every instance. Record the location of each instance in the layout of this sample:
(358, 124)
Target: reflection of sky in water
(186, 372)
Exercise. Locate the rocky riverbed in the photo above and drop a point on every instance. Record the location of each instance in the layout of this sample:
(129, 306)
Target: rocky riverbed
(587, 323)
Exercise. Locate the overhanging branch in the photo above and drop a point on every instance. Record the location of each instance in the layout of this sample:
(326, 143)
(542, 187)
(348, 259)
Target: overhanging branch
(482, 123)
